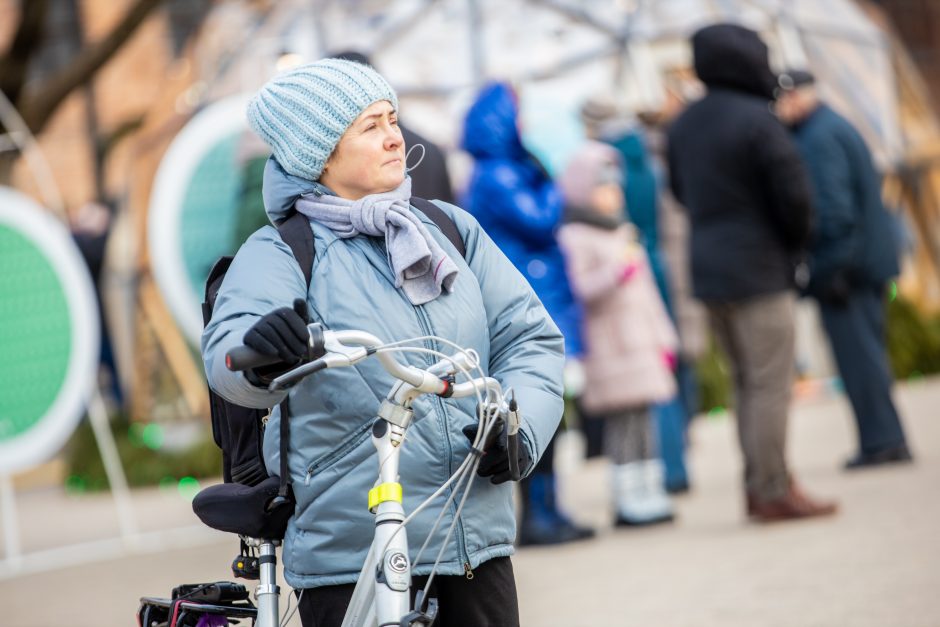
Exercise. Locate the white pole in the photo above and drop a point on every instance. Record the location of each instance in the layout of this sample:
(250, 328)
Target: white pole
(98, 416)
(25, 140)
(11, 530)
(477, 53)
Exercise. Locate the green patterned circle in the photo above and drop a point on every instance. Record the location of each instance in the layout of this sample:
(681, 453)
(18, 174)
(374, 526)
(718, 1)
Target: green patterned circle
(208, 217)
(35, 334)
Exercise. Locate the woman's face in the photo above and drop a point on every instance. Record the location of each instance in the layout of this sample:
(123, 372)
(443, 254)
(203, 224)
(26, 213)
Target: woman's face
(370, 156)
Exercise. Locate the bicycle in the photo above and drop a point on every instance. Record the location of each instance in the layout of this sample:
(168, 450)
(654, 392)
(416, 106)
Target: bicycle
(382, 593)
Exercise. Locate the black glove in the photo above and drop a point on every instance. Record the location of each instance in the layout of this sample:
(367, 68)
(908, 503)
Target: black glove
(495, 461)
(281, 333)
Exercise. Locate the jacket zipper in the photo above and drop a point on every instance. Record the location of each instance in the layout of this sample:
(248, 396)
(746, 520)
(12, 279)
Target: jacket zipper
(441, 413)
(344, 448)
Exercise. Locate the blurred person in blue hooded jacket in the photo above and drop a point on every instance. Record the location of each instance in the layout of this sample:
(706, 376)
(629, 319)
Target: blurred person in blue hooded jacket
(519, 206)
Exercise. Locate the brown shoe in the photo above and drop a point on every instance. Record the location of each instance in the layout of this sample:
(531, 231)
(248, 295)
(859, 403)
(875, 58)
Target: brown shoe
(792, 506)
(751, 504)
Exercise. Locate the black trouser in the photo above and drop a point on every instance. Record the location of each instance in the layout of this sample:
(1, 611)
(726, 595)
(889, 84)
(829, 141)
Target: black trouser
(546, 463)
(857, 335)
(487, 600)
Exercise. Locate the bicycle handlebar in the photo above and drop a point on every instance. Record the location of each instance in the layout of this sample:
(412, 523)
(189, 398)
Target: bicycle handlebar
(329, 349)
(244, 357)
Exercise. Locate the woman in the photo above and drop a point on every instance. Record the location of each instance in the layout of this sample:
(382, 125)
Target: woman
(381, 266)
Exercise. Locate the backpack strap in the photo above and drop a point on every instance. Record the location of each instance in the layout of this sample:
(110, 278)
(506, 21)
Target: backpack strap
(296, 233)
(285, 489)
(443, 221)
(213, 283)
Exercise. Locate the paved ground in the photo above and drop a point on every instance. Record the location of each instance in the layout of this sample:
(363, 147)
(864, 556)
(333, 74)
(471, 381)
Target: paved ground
(877, 563)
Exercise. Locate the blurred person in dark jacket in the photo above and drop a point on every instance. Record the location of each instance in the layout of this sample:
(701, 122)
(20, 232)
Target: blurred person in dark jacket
(735, 168)
(90, 227)
(854, 254)
(429, 176)
(519, 206)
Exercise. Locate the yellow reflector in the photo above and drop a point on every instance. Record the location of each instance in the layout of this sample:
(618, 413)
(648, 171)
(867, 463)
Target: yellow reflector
(384, 492)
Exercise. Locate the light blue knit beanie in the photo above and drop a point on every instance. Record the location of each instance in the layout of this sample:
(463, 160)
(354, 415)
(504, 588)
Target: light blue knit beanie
(303, 113)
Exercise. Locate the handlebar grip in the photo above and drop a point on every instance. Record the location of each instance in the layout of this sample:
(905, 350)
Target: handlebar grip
(243, 358)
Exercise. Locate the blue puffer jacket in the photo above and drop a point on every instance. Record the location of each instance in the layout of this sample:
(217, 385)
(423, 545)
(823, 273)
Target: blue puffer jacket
(332, 461)
(518, 205)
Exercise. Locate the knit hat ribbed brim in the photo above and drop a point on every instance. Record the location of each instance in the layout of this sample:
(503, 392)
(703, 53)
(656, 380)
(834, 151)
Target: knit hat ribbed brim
(303, 113)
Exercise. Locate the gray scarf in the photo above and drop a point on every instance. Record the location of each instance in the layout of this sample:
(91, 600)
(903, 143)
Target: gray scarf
(422, 268)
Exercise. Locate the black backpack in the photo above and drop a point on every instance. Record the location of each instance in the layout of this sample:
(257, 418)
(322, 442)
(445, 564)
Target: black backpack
(238, 430)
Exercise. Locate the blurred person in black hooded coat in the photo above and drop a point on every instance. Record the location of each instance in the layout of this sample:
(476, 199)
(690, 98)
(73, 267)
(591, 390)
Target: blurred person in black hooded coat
(735, 168)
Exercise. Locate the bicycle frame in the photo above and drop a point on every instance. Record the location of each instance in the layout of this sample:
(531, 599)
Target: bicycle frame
(382, 593)
(267, 592)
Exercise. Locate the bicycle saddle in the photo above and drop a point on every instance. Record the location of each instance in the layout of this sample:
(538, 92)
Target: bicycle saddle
(253, 511)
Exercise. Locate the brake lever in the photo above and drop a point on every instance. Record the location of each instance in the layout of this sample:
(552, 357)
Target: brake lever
(334, 354)
(512, 438)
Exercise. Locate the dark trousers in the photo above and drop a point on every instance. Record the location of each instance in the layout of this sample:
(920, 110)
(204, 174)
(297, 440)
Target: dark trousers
(759, 338)
(856, 333)
(546, 463)
(487, 600)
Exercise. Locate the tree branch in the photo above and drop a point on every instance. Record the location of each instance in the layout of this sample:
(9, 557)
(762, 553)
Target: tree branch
(37, 107)
(26, 41)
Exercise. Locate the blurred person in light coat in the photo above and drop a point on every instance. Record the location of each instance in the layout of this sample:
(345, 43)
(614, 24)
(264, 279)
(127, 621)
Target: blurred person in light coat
(647, 200)
(630, 343)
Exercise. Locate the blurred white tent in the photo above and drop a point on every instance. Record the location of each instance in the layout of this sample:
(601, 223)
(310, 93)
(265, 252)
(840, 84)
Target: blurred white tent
(437, 51)
(850, 56)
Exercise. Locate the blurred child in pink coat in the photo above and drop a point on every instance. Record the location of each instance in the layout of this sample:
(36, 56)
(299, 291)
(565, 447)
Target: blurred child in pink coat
(630, 343)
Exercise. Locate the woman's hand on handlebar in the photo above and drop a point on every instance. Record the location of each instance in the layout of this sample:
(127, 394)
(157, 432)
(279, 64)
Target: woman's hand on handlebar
(279, 341)
(495, 462)
(282, 333)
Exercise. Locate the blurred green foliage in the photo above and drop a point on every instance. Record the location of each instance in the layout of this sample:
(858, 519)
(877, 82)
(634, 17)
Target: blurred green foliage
(913, 340)
(144, 460)
(714, 379)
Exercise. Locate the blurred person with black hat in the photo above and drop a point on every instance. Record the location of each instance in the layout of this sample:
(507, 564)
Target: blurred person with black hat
(853, 255)
(735, 168)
